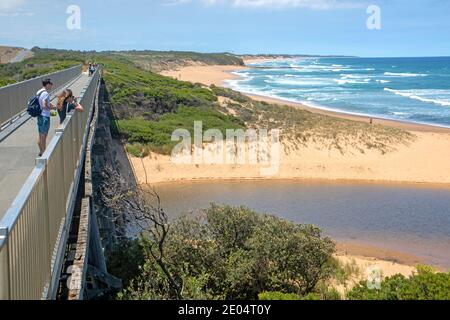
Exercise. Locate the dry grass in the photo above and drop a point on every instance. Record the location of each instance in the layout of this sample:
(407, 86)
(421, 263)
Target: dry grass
(8, 53)
(300, 128)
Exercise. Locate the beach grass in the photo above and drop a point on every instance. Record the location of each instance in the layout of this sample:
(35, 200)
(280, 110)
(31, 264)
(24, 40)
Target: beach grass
(301, 127)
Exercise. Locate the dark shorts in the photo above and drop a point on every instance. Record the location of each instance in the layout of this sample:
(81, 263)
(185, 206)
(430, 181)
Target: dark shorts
(67, 107)
(43, 125)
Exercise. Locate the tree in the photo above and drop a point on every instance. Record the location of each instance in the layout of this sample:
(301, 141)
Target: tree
(142, 207)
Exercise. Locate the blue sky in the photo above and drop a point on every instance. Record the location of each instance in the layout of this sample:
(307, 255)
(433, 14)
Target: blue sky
(408, 28)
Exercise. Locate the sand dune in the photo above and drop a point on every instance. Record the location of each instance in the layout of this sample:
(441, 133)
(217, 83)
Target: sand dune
(425, 160)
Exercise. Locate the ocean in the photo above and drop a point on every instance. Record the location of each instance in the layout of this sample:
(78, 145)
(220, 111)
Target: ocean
(413, 90)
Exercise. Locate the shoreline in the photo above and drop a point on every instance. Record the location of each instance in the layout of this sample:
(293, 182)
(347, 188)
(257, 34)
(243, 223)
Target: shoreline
(378, 255)
(361, 182)
(219, 75)
(408, 126)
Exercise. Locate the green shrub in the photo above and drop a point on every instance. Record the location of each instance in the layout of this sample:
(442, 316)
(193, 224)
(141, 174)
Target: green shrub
(278, 296)
(125, 260)
(157, 134)
(330, 294)
(236, 254)
(231, 94)
(138, 150)
(311, 296)
(423, 285)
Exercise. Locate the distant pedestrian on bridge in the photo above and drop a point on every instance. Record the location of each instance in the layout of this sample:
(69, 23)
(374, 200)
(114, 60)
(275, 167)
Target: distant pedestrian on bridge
(43, 119)
(67, 103)
(91, 69)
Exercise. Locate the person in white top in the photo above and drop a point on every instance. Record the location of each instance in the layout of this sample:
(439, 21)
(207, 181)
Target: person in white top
(44, 118)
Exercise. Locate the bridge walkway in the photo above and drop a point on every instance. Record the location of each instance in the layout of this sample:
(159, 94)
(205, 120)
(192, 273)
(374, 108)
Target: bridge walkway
(19, 150)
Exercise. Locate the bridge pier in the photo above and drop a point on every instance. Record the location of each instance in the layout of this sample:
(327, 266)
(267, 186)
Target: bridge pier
(85, 274)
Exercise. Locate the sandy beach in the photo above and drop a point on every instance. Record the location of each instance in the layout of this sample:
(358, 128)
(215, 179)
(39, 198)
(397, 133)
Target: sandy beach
(422, 162)
(206, 75)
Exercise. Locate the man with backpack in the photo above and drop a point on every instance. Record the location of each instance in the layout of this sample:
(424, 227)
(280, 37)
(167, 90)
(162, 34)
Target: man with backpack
(43, 119)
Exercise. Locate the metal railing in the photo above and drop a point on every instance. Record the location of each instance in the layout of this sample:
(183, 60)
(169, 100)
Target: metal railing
(34, 231)
(14, 98)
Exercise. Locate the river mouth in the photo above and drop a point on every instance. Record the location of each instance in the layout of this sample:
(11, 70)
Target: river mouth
(411, 219)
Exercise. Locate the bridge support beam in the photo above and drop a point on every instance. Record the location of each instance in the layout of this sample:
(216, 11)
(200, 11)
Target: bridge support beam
(97, 256)
(85, 275)
(102, 282)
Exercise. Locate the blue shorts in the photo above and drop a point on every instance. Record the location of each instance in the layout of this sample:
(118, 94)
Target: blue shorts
(43, 125)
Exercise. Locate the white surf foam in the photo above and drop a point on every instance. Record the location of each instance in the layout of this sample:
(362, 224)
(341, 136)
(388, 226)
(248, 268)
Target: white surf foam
(420, 95)
(382, 81)
(399, 74)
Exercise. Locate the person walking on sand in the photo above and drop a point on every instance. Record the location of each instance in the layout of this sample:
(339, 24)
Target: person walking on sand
(67, 103)
(43, 119)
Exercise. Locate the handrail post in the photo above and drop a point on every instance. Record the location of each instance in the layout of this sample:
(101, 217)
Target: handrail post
(5, 284)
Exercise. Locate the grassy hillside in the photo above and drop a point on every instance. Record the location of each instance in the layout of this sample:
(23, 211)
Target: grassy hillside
(157, 61)
(149, 107)
(44, 61)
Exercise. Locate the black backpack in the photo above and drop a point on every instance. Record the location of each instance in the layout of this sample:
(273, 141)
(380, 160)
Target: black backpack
(34, 109)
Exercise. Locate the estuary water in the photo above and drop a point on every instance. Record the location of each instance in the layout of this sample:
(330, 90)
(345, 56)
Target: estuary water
(406, 218)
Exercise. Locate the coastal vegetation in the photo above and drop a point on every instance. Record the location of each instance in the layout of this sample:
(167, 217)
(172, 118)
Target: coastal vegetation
(43, 61)
(426, 284)
(148, 107)
(158, 61)
(156, 135)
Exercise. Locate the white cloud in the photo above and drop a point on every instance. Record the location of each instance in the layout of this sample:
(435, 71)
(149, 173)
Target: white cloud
(8, 5)
(310, 4)
(14, 8)
(175, 2)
